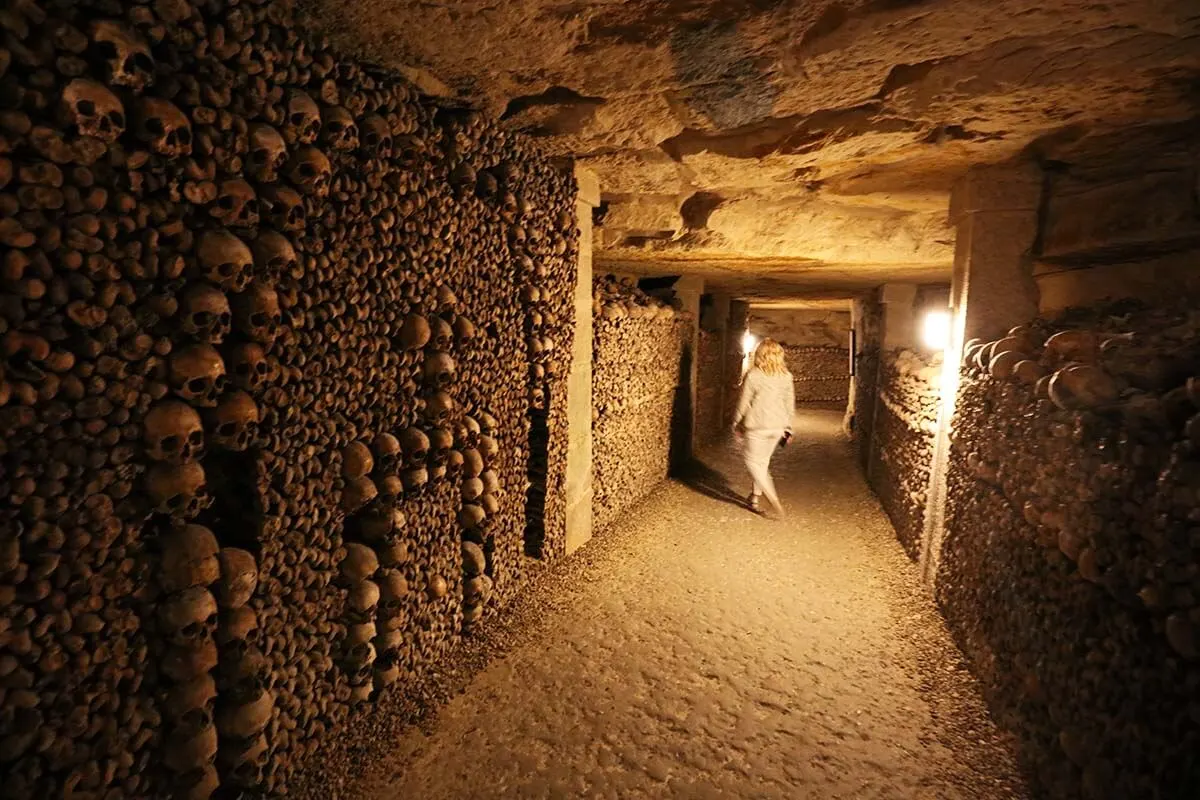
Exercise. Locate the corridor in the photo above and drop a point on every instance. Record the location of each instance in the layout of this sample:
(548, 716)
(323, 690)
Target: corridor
(703, 652)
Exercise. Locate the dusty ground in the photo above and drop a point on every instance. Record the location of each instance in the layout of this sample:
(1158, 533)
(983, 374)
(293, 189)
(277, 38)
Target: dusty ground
(699, 651)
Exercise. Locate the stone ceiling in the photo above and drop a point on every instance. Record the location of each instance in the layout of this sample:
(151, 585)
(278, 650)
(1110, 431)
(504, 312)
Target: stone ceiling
(780, 145)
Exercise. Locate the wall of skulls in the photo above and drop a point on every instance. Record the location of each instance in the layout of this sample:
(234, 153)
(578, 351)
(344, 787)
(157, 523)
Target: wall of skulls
(902, 450)
(637, 351)
(821, 374)
(1069, 570)
(275, 332)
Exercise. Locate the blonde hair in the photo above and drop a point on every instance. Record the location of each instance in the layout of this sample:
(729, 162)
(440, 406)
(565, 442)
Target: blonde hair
(768, 358)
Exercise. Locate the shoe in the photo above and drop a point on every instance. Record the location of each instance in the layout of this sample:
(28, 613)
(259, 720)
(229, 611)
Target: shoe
(752, 502)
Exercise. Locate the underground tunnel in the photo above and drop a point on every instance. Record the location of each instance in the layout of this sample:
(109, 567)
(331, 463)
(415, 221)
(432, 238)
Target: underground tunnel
(371, 369)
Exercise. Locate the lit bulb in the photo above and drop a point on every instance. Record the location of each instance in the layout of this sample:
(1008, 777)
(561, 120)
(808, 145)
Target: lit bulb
(936, 330)
(749, 342)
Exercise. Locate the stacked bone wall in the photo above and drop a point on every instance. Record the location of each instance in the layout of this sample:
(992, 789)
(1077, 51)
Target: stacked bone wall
(637, 351)
(1068, 572)
(821, 374)
(902, 452)
(274, 331)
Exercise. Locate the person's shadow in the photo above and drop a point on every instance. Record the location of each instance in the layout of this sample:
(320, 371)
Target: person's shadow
(702, 478)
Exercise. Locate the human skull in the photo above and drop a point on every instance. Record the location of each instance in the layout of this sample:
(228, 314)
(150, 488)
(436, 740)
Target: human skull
(486, 185)
(192, 755)
(393, 591)
(338, 129)
(442, 335)
(233, 424)
(477, 590)
(177, 489)
(363, 599)
(173, 432)
(488, 448)
(357, 460)
(474, 559)
(470, 433)
(310, 171)
(490, 503)
(283, 206)
(462, 178)
(93, 109)
(225, 260)
(491, 481)
(248, 366)
(302, 124)
(440, 442)
(236, 624)
(359, 564)
(256, 313)
(472, 489)
(464, 330)
(376, 138)
(189, 558)
(244, 673)
(472, 517)
(386, 451)
(236, 204)
(415, 479)
(454, 464)
(185, 662)
(126, 55)
(239, 577)
(274, 255)
(189, 616)
(191, 704)
(268, 153)
(439, 370)
(245, 766)
(358, 493)
(415, 445)
(247, 720)
(439, 407)
(204, 313)
(488, 426)
(414, 332)
(472, 463)
(197, 374)
(162, 126)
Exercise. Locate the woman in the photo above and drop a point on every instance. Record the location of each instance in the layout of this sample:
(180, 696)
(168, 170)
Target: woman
(764, 416)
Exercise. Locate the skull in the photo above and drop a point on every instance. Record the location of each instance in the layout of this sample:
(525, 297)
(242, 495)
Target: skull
(488, 426)
(472, 517)
(93, 109)
(393, 590)
(246, 674)
(447, 301)
(415, 445)
(414, 332)
(205, 314)
(189, 558)
(274, 255)
(415, 479)
(358, 493)
(247, 720)
(488, 448)
(486, 185)
(491, 481)
(268, 153)
(439, 370)
(303, 121)
(390, 488)
(454, 464)
(439, 408)
(197, 374)
(359, 564)
(249, 366)
(191, 705)
(477, 590)
(470, 433)
(236, 627)
(357, 460)
(233, 424)
(173, 432)
(190, 616)
(474, 559)
(165, 128)
(310, 171)
(376, 137)
(127, 55)
(284, 207)
(177, 489)
(236, 204)
(363, 599)
(509, 207)
(387, 452)
(442, 336)
(191, 756)
(491, 505)
(360, 634)
(472, 489)
(339, 130)
(239, 577)
(225, 260)
(464, 330)
(245, 766)
(472, 463)
(440, 442)
(256, 313)
(462, 178)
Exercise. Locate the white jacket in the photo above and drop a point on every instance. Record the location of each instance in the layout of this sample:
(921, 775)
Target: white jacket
(767, 402)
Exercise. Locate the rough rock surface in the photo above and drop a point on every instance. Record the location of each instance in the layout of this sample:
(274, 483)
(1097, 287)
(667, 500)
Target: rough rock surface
(814, 141)
(699, 651)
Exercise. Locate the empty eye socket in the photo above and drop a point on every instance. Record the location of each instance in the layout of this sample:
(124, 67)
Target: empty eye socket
(107, 49)
(202, 317)
(258, 319)
(260, 368)
(227, 429)
(185, 136)
(197, 385)
(307, 170)
(170, 442)
(297, 118)
(117, 118)
(196, 437)
(85, 107)
(175, 502)
(225, 318)
(226, 270)
(139, 62)
(226, 202)
(155, 126)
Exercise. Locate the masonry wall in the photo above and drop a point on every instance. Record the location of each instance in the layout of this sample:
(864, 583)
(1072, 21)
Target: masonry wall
(868, 339)
(815, 345)
(275, 328)
(710, 426)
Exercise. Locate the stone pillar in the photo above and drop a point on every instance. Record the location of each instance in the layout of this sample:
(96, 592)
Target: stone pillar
(899, 315)
(735, 329)
(578, 484)
(688, 290)
(995, 213)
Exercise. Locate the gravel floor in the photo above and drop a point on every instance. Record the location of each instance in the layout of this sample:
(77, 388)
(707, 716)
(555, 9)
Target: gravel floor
(696, 650)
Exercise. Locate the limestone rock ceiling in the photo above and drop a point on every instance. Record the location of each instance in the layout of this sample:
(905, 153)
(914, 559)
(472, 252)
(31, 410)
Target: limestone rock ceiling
(812, 141)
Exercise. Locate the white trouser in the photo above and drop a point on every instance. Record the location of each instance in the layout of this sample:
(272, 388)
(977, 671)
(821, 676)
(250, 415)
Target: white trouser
(757, 448)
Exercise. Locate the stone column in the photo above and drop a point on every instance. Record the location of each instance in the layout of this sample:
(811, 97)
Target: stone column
(719, 310)
(899, 315)
(688, 289)
(735, 329)
(995, 213)
(578, 484)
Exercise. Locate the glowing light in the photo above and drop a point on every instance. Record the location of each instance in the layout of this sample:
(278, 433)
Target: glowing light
(749, 342)
(936, 330)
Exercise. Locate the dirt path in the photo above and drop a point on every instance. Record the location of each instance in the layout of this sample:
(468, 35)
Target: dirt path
(707, 653)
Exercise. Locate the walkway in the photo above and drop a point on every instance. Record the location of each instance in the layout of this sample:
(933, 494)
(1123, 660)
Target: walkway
(707, 653)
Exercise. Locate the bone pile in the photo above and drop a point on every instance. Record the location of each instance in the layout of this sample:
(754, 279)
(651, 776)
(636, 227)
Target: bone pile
(821, 374)
(1069, 571)
(906, 415)
(273, 330)
(637, 347)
